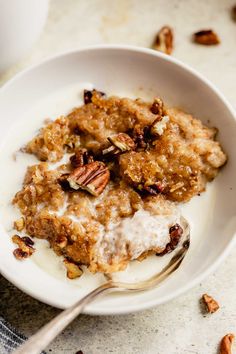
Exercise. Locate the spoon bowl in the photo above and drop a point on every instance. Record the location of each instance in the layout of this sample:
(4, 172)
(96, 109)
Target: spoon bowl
(46, 334)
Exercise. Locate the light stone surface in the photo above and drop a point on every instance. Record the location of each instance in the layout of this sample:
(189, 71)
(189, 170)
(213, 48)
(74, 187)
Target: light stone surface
(177, 327)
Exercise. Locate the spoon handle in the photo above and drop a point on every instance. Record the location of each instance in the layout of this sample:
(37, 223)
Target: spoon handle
(40, 340)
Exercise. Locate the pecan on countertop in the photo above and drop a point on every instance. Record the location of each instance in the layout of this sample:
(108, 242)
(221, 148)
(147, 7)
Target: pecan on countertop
(206, 37)
(226, 344)
(210, 303)
(164, 40)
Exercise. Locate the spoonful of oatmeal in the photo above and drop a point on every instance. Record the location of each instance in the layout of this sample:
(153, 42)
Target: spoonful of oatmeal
(46, 334)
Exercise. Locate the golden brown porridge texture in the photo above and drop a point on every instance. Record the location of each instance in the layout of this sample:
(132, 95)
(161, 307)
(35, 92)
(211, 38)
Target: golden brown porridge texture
(120, 156)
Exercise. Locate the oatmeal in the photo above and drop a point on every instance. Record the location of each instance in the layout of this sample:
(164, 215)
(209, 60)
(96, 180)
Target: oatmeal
(113, 198)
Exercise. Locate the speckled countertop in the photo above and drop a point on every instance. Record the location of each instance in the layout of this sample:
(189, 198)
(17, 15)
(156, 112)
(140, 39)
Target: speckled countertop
(177, 327)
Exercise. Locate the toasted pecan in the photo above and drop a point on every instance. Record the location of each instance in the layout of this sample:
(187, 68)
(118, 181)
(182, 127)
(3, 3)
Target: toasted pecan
(80, 158)
(88, 95)
(210, 303)
(226, 344)
(25, 248)
(92, 177)
(175, 232)
(157, 106)
(152, 189)
(159, 125)
(206, 37)
(164, 40)
(73, 269)
(120, 143)
(19, 224)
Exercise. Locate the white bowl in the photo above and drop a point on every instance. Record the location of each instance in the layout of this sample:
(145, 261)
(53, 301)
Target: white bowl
(21, 23)
(52, 88)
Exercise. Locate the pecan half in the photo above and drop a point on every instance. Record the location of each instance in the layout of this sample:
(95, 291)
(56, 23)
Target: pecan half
(210, 304)
(226, 344)
(88, 95)
(175, 232)
(164, 40)
(206, 37)
(92, 177)
(25, 248)
(80, 158)
(73, 269)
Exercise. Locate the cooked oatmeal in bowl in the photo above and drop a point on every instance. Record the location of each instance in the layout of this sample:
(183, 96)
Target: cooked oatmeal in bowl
(110, 179)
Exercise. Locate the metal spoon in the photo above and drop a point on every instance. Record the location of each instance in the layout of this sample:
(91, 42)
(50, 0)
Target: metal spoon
(47, 333)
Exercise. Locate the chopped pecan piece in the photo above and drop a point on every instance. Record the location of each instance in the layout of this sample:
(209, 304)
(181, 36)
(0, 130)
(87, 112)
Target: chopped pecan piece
(206, 37)
(159, 125)
(19, 224)
(211, 304)
(140, 136)
(88, 95)
(226, 344)
(158, 107)
(121, 142)
(92, 177)
(25, 248)
(111, 150)
(61, 241)
(19, 254)
(175, 232)
(152, 189)
(62, 180)
(80, 158)
(164, 40)
(72, 143)
(28, 241)
(73, 269)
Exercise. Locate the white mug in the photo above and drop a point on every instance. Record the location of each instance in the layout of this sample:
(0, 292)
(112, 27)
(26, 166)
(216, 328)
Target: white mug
(21, 22)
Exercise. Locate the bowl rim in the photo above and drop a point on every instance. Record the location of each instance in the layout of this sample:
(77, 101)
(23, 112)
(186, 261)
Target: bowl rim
(215, 264)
